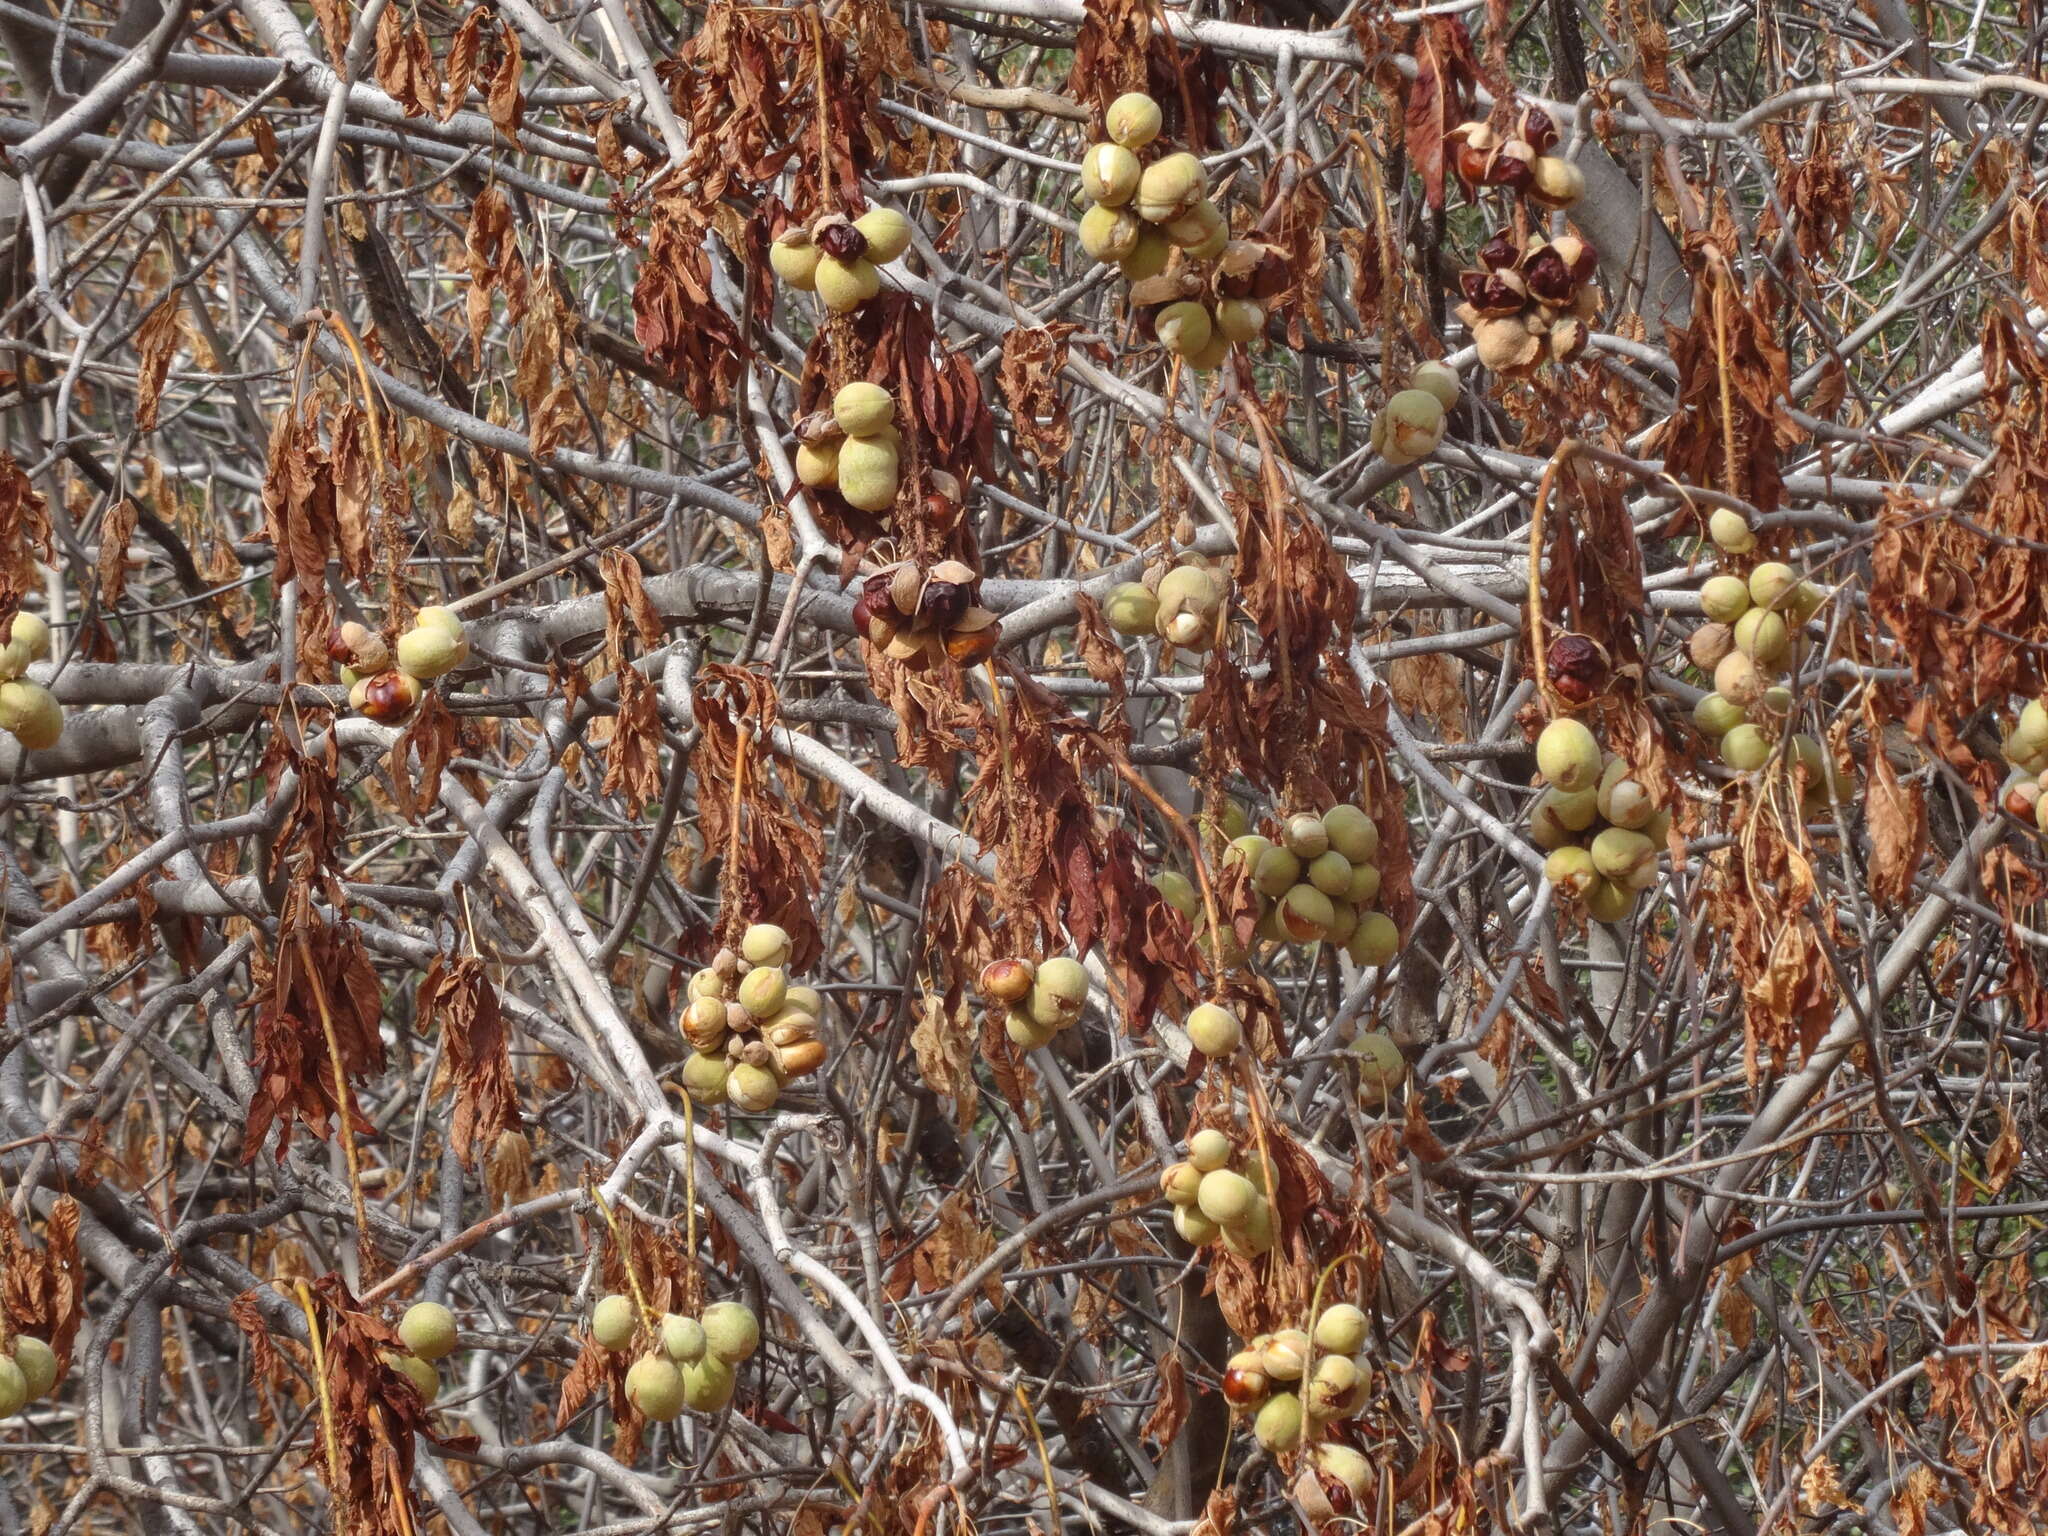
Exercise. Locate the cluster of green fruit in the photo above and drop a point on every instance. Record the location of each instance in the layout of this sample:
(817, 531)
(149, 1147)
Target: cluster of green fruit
(386, 683)
(1038, 1000)
(1411, 424)
(835, 257)
(1214, 1203)
(28, 1371)
(29, 712)
(1297, 1381)
(428, 1333)
(915, 616)
(854, 447)
(750, 1031)
(2025, 793)
(1317, 883)
(1184, 606)
(690, 1361)
(1596, 820)
(1746, 647)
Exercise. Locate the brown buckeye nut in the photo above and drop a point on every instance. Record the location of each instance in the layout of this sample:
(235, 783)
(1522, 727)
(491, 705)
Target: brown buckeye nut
(1006, 981)
(1472, 146)
(390, 696)
(1547, 274)
(1580, 259)
(974, 638)
(836, 235)
(875, 618)
(1494, 295)
(1568, 339)
(1534, 127)
(1512, 165)
(1578, 668)
(1500, 251)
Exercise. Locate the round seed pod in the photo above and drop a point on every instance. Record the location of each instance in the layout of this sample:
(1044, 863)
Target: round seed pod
(887, 233)
(751, 1089)
(1132, 120)
(1351, 832)
(707, 1384)
(731, 1331)
(1246, 848)
(703, 1023)
(1213, 1029)
(1364, 889)
(845, 285)
(765, 944)
(1063, 978)
(1305, 835)
(1623, 799)
(705, 983)
(1555, 182)
(1772, 584)
(1330, 873)
(1762, 636)
(1109, 174)
(1739, 680)
(1200, 226)
(13, 1388)
(799, 1058)
(1346, 1466)
(1332, 1386)
(1181, 1183)
(1214, 353)
(1306, 914)
(1381, 1066)
(428, 1330)
(36, 1360)
(1343, 922)
(32, 714)
(1110, 234)
(795, 259)
(1245, 1383)
(1571, 870)
(818, 463)
(1195, 1229)
(868, 473)
(806, 999)
(1182, 328)
(1278, 1425)
(427, 651)
(1285, 1355)
(682, 1338)
(424, 1378)
(1725, 598)
(1609, 903)
(863, 409)
(1708, 644)
(1276, 872)
(1745, 749)
(1225, 1197)
(1240, 320)
(704, 1077)
(1413, 425)
(1568, 755)
(1439, 379)
(1148, 258)
(1025, 1032)
(614, 1321)
(1179, 893)
(1341, 1329)
(763, 991)
(1624, 857)
(1730, 531)
(1131, 609)
(1169, 187)
(1255, 1235)
(32, 635)
(1209, 1149)
(1006, 981)
(1805, 602)
(1375, 941)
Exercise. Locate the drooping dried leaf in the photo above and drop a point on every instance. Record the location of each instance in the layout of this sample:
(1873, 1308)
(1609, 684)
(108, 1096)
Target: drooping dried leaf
(456, 996)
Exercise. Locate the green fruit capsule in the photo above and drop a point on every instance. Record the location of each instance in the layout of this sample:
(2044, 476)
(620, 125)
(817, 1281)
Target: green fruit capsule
(731, 1331)
(1330, 873)
(1209, 1149)
(614, 1321)
(1351, 832)
(38, 1362)
(707, 1384)
(1568, 755)
(1725, 598)
(1109, 175)
(1278, 1425)
(1341, 1330)
(655, 1387)
(1214, 1030)
(1133, 120)
(1225, 1197)
(1375, 941)
(428, 1330)
(1381, 1066)
(887, 232)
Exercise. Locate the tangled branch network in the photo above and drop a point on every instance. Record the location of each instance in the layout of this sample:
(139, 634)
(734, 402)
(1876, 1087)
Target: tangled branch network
(867, 768)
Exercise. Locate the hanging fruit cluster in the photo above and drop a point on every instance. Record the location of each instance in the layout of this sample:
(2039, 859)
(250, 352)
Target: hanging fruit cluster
(29, 712)
(913, 615)
(1530, 298)
(1298, 1381)
(1410, 425)
(1597, 820)
(835, 257)
(428, 1332)
(1185, 605)
(2025, 793)
(1215, 1203)
(1038, 1000)
(689, 1362)
(1318, 882)
(854, 447)
(1139, 213)
(387, 687)
(28, 1373)
(750, 1030)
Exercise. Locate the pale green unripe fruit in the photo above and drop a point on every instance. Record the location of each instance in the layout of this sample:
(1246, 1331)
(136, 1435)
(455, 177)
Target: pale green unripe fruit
(731, 1331)
(1131, 609)
(1745, 749)
(887, 232)
(1335, 1381)
(1627, 858)
(13, 1388)
(1198, 226)
(1182, 328)
(1255, 1234)
(1568, 755)
(1330, 873)
(655, 1387)
(707, 1384)
(752, 1089)
(1342, 1464)
(1169, 187)
(845, 285)
(425, 1379)
(868, 468)
(1211, 355)
(1364, 889)
(1375, 941)
(32, 714)
(1247, 848)
(1284, 1357)
(1772, 584)
(1623, 799)
(1276, 871)
(763, 990)
(1132, 120)
(765, 944)
(1716, 716)
(1381, 1066)
(31, 634)
(1805, 602)
(1762, 636)
(1306, 914)
(1262, 1170)
(818, 463)
(1725, 598)
(795, 260)
(1278, 1426)
(1435, 378)
(1179, 893)
(1240, 320)
(614, 1320)
(1305, 835)
(1181, 1183)
(1109, 234)
(428, 652)
(1571, 870)
(1025, 1032)
(806, 999)
(1225, 1197)
(428, 1330)
(682, 1338)
(1343, 922)
(1109, 174)
(1214, 1030)
(704, 1077)
(1148, 258)
(1738, 679)
(1730, 531)
(1609, 902)
(1410, 426)
(1209, 1149)
(1351, 832)
(437, 617)
(1195, 1229)
(863, 409)
(1059, 987)
(1341, 1330)
(38, 1363)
